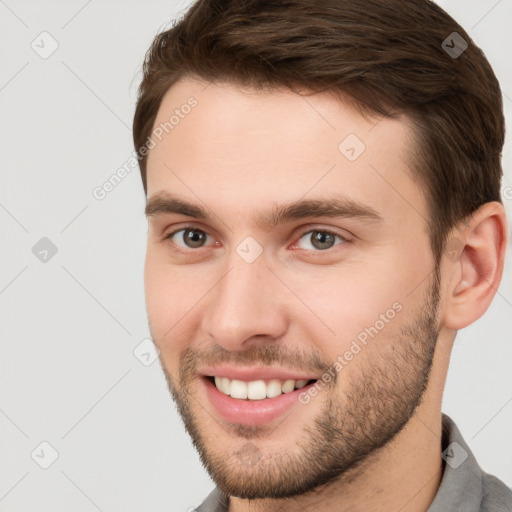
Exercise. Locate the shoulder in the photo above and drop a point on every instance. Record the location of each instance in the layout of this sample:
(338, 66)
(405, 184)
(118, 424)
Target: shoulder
(496, 496)
(464, 485)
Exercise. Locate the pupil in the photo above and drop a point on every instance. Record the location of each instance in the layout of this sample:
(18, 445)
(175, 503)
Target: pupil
(194, 238)
(322, 240)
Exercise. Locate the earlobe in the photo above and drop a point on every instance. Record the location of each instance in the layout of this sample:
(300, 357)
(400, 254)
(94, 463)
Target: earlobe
(475, 275)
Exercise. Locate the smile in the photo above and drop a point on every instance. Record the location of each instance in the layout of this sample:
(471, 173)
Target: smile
(253, 396)
(256, 389)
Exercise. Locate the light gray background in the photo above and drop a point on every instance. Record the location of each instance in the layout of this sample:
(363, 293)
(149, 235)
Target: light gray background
(69, 326)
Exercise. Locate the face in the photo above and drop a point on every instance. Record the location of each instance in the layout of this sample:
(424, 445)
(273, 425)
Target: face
(289, 282)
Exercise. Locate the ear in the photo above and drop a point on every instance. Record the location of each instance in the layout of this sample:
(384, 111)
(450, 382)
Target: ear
(473, 265)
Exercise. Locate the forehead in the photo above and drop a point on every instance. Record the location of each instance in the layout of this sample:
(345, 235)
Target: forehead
(241, 146)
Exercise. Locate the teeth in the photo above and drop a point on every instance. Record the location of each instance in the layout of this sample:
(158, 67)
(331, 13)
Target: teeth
(238, 389)
(274, 388)
(256, 389)
(288, 385)
(226, 383)
(223, 384)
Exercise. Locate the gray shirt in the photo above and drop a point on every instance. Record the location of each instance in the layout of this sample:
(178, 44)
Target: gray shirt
(464, 486)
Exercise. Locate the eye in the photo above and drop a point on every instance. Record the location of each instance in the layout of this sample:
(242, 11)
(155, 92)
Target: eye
(190, 238)
(320, 240)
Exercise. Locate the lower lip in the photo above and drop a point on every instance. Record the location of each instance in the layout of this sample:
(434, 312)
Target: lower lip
(251, 412)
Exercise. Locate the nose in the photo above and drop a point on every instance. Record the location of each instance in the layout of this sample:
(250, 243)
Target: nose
(244, 308)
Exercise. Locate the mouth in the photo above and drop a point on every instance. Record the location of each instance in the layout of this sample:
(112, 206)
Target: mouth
(257, 389)
(250, 400)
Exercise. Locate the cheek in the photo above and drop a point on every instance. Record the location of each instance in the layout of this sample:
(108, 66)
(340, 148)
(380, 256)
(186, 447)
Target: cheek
(169, 297)
(351, 304)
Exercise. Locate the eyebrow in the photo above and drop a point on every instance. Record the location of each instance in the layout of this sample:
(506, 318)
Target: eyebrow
(338, 206)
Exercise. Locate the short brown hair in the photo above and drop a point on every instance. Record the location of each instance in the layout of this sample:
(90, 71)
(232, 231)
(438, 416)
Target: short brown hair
(391, 57)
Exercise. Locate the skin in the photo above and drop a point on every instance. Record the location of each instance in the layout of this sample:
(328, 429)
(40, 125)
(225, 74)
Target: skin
(372, 437)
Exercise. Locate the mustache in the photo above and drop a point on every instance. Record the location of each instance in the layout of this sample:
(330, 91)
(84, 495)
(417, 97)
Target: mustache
(264, 355)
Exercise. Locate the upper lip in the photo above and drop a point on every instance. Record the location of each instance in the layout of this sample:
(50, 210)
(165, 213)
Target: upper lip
(251, 373)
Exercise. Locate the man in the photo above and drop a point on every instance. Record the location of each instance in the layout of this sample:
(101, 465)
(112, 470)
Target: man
(323, 197)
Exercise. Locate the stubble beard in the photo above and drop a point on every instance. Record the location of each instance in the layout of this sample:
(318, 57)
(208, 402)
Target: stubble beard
(348, 431)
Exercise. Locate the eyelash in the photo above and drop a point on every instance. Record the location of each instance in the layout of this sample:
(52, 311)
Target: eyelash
(333, 233)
